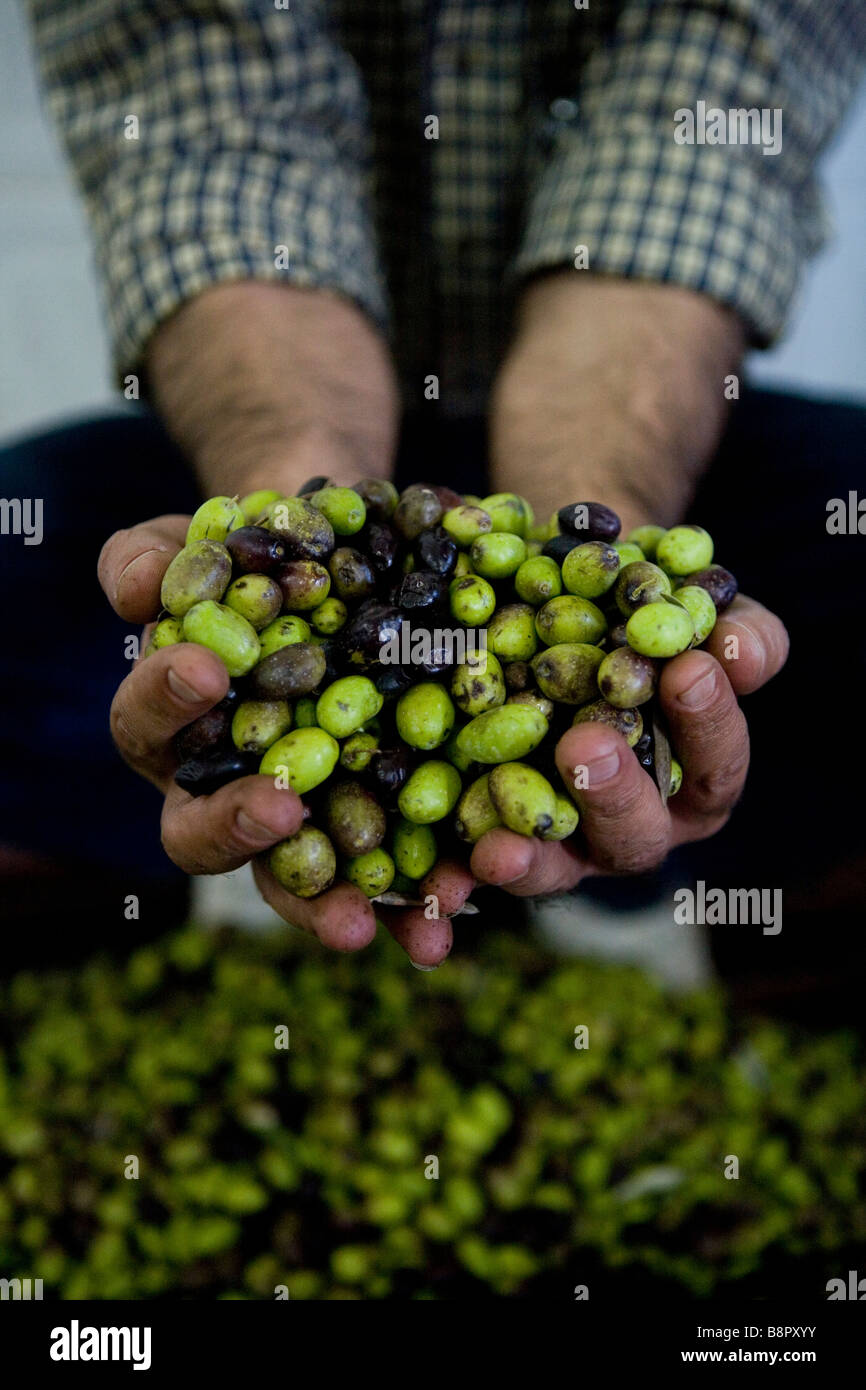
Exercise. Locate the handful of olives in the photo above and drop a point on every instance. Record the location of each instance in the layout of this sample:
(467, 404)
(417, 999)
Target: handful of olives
(407, 662)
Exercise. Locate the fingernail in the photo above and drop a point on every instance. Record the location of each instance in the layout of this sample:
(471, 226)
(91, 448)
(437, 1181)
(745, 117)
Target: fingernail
(183, 690)
(603, 767)
(254, 830)
(124, 572)
(700, 693)
(422, 967)
(759, 644)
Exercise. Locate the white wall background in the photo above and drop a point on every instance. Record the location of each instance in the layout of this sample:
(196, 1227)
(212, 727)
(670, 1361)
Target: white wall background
(53, 358)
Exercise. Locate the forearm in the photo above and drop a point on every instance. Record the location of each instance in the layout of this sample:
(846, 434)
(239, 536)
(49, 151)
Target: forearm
(613, 389)
(265, 385)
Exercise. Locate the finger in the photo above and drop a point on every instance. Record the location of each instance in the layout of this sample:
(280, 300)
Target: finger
(132, 563)
(711, 740)
(168, 690)
(623, 821)
(342, 919)
(216, 833)
(525, 867)
(450, 882)
(750, 643)
(427, 942)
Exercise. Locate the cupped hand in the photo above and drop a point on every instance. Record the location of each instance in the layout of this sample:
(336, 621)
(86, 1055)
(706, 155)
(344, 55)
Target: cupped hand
(624, 827)
(244, 819)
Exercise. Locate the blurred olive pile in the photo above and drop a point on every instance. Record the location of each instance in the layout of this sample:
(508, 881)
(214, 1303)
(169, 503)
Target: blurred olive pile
(403, 745)
(305, 1167)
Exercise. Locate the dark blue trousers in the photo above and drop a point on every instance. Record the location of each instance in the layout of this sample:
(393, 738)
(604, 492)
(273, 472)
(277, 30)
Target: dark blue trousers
(65, 793)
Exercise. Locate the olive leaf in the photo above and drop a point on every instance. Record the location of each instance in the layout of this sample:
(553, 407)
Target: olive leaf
(661, 758)
(390, 899)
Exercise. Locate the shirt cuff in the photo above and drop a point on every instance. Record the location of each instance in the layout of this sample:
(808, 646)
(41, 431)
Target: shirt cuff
(709, 218)
(167, 230)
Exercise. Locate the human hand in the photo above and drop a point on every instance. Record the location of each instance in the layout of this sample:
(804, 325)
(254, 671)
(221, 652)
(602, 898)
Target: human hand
(624, 826)
(244, 819)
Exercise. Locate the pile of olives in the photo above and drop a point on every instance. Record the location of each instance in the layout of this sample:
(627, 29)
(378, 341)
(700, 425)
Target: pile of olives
(339, 615)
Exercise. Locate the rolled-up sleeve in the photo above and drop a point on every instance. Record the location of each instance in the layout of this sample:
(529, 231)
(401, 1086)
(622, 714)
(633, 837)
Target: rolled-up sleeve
(213, 141)
(726, 219)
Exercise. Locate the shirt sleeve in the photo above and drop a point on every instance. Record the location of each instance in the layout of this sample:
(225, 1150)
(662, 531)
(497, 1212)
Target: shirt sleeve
(728, 220)
(213, 141)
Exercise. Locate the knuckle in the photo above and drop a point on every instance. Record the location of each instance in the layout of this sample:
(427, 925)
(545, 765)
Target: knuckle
(717, 789)
(180, 853)
(639, 856)
(127, 737)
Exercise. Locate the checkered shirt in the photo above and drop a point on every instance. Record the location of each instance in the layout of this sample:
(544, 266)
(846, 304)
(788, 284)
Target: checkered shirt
(424, 157)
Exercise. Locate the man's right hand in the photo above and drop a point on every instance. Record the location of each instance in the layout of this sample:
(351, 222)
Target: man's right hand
(216, 833)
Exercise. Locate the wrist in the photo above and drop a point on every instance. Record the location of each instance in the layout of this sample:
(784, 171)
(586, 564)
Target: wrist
(613, 390)
(265, 385)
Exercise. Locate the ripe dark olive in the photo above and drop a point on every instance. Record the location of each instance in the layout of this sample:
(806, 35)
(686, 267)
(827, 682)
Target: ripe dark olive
(436, 552)
(589, 521)
(559, 546)
(201, 776)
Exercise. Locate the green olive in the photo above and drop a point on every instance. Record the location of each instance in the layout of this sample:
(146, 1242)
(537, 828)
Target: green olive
(217, 517)
(430, 792)
(524, 799)
(500, 735)
(256, 597)
(255, 504)
(200, 571)
(347, 704)
(497, 555)
(472, 600)
(413, 848)
(167, 633)
(566, 673)
(701, 609)
(661, 629)
(565, 819)
(676, 777)
(465, 524)
(508, 512)
(534, 698)
(477, 683)
(330, 616)
(476, 813)
(302, 759)
(684, 549)
(373, 873)
(354, 819)
(305, 712)
(588, 570)
(259, 723)
(538, 579)
(305, 864)
(344, 508)
(224, 632)
(647, 537)
(283, 632)
(628, 552)
(627, 722)
(570, 619)
(424, 715)
(357, 752)
(511, 632)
